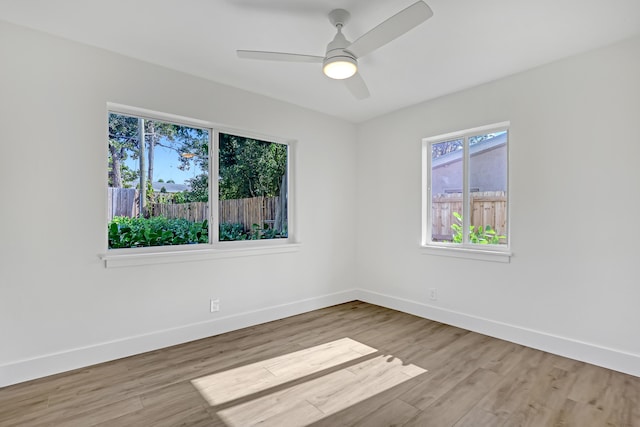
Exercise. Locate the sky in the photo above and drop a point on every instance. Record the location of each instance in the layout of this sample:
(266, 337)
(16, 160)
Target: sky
(165, 166)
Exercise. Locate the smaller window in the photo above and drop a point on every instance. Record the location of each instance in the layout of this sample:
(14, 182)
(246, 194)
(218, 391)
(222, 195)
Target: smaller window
(465, 187)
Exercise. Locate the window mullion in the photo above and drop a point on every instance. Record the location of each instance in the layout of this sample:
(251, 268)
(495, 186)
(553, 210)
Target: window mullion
(466, 214)
(214, 153)
(427, 202)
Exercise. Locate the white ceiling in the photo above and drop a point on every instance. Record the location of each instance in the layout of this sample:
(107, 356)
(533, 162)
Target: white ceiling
(465, 43)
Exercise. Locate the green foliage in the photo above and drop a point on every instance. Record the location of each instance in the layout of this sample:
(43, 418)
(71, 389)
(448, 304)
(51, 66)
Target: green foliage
(478, 235)
(231, 231)
(250, 168)
(125, 232)
(265, 232)
(199, 189)
(235, 231)
(124, 144)
(150, 193)
(179, 197)
(127, 175)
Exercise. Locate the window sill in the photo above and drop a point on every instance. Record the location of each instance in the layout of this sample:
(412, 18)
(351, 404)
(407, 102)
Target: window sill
(468, 253)
(210, 252)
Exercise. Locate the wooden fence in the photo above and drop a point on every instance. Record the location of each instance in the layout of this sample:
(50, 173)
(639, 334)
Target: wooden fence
(194, 211)
(122, 202)
(255, 210)
(487, 208)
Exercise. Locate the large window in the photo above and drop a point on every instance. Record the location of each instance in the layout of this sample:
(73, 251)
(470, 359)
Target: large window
(160, 193)
(466, 189)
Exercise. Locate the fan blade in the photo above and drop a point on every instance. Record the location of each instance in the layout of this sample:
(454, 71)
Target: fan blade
(391, 29)
(278, 56)
(357, 86)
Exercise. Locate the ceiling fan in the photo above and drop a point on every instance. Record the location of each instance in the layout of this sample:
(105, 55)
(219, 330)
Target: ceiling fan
(341, 59)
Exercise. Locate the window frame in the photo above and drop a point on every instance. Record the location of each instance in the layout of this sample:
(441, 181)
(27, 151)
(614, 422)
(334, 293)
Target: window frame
(499, 253)
(122, 257)
(290, 239)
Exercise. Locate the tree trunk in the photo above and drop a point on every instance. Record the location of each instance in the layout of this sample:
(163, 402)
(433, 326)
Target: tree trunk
(281, 208)
(116, 164)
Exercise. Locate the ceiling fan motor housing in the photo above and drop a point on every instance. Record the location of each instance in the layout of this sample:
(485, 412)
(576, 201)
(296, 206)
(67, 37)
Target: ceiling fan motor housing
(337, 47)
(336, 53)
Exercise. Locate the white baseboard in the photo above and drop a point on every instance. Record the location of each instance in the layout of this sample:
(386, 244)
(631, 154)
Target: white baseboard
(49, 364)
(586, 352)
(38, 367)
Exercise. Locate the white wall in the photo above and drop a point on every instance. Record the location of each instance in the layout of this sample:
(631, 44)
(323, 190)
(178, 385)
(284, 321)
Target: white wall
(60, 308)
(572, 286)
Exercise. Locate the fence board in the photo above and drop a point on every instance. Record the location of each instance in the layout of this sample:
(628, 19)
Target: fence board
(122, 202)
(195, 211)
(487, 208)
(249, 211)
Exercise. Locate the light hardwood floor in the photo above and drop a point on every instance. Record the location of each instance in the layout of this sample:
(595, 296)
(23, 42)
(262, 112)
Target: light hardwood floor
(354, 364)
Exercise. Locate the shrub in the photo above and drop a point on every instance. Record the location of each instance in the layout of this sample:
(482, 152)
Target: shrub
(235, 231)
(125, 232)
(232, 231)
(265, 232)
(479, 235)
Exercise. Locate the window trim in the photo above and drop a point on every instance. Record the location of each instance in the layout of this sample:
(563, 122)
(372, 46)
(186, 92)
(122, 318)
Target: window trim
(499, 253)
(291, 229)
(214, 249)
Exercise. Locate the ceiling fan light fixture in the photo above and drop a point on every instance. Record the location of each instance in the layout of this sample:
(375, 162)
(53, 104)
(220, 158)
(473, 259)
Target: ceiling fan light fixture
(341, 58)
(340, 67)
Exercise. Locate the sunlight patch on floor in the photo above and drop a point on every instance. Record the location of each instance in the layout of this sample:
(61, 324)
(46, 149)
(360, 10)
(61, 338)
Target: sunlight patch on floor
(239, 382)
(308, 401)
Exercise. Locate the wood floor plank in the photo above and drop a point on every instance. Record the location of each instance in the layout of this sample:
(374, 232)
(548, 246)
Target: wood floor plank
(394, 413)
(477, 417)
(545, 398)
(81, 417)
(169, 417)
(464, 396)
(447, 368)
(397, 369)
(514, 390)
(355, 413)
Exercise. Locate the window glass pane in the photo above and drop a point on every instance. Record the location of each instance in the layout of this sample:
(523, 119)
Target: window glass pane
(158, 183)
(252, 187)
(488, 188)
(446, 191)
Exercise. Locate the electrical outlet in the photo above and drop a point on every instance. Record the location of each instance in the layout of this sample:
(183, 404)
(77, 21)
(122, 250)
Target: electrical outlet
(214, 305)
(433, 294)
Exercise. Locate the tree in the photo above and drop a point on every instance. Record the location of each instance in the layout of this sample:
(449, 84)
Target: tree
(124, 144)
(123, 139)
(199, 189)
(250, 168)
(442, 148)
